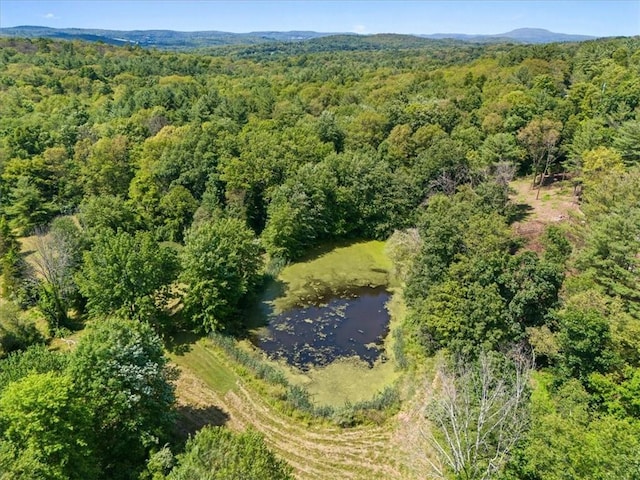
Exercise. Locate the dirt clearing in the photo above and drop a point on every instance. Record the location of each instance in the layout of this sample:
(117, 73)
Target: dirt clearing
(556, 204)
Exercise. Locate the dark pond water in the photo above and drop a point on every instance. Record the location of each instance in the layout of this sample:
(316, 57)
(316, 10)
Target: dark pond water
(339, 327)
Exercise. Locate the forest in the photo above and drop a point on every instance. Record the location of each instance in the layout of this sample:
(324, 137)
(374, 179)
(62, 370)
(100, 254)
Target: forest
(148, 195)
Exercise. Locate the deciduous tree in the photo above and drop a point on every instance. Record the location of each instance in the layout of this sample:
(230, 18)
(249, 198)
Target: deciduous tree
(220, 265)
(128, 275)
(120, 371)
(57, 258)
(216, 453)
(541, 137)
(45, 430)
(473, 415)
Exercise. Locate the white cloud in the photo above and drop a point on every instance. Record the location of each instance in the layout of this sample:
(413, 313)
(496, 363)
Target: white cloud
(360, 29)
(49, 16)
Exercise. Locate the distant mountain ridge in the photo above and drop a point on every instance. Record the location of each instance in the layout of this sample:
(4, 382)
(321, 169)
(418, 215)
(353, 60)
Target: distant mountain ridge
(522, 35)
(160, 38)
(171, 39)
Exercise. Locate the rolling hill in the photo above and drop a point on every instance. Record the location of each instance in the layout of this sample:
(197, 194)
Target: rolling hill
(174, 40)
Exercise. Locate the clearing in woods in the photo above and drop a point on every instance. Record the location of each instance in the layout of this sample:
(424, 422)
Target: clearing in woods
(555, 204)
(210, 391)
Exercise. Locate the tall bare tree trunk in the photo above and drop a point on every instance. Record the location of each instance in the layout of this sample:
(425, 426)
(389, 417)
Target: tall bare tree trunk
(473, 414)
(544, 174)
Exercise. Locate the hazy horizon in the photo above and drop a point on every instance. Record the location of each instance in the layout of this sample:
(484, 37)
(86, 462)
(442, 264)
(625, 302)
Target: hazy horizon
(596, 18)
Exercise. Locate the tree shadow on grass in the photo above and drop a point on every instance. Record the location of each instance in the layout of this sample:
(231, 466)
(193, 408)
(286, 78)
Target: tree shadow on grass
(181, 342)
(519, 212)
(317, 251)
(256, 309)
(190, 419)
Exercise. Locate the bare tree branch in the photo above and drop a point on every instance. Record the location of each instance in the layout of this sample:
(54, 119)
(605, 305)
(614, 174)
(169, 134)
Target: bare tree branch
(472, 415)
(53, 264)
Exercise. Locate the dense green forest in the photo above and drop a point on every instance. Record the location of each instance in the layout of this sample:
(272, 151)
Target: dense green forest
(145, 193)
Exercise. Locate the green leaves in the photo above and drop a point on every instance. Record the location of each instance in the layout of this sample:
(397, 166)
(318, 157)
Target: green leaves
(35, 359)
(566, 440)
(107, 169)
(501, 147)
(463, 317)
(627, 141)
(177, 207)
(467, 289)
(302, 212)
(220, 265)
(44, 430)
(611, 236)
(218, 454)
(585, 343)
(94, 413)
(128, 275)
(120, 371)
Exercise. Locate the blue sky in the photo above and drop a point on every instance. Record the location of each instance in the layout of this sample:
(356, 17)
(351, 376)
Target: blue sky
(589, 17)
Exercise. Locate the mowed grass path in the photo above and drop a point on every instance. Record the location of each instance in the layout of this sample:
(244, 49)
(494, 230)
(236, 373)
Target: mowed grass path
(211, 391)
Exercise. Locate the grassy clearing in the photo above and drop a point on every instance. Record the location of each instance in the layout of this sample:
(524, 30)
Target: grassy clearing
(212, 391)
(555, 206)
(555, 203)
(28, 245)
(29, 251)
(203, 360)
(345, 267)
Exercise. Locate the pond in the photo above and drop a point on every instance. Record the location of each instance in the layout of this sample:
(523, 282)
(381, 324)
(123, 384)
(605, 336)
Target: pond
(353, 324)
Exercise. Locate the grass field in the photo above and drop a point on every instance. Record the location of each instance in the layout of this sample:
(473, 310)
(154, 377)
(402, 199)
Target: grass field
(210, 391)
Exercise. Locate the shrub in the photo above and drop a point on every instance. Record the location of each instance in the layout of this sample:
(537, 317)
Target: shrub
(16, 332)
